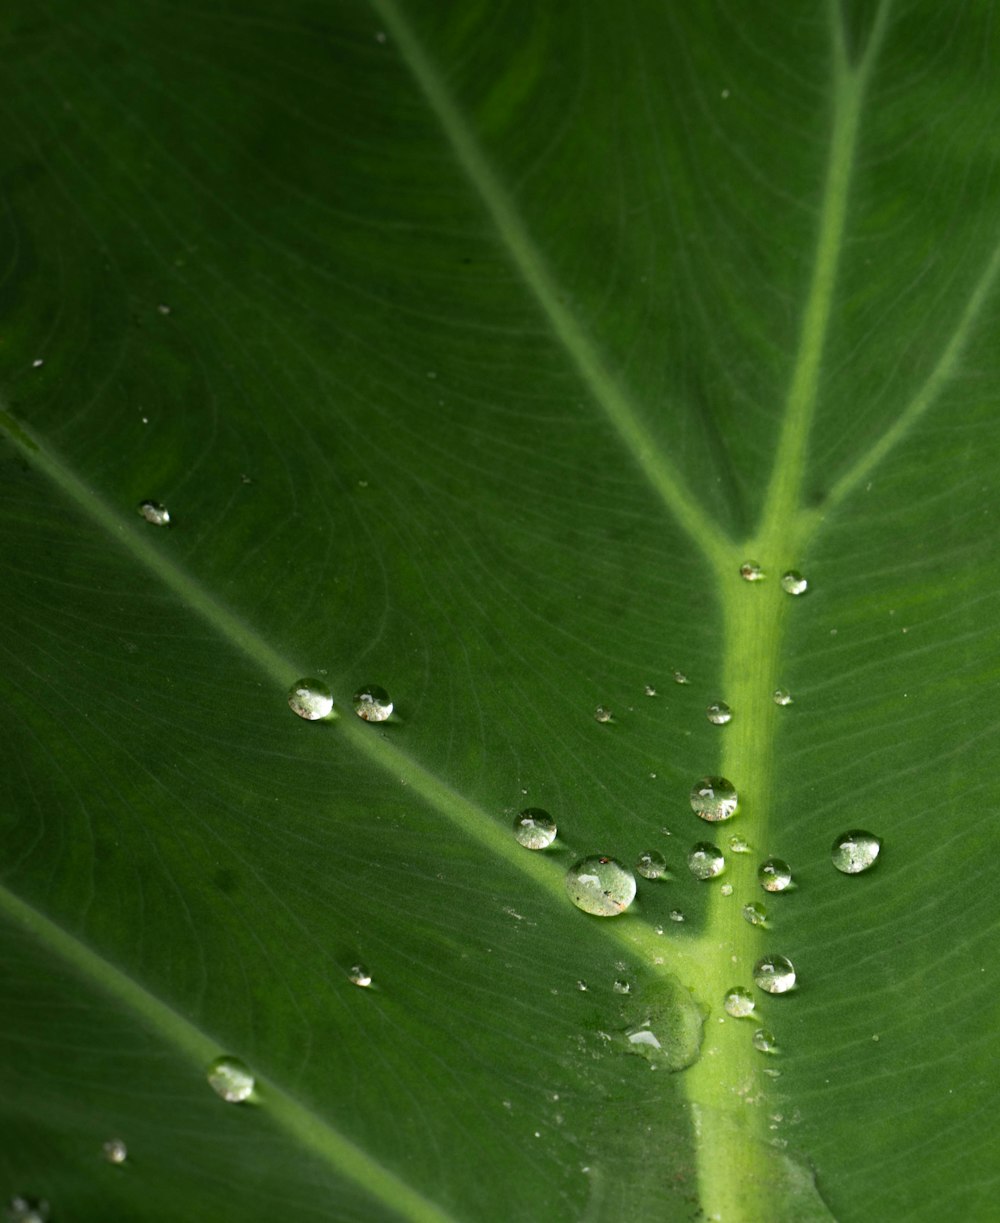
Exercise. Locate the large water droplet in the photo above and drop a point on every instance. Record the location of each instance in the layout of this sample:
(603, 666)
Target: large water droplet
(372, 703)
(781, 697)
(794, 583)
(310, 699)
(774, 875)
(114, 1151)
(230, 1079)
(360, 976)
(155, 513)
(601, 886)
(774, 974)
(21, 1209)
(764, 1041)
(603, 714)
(739, 1002)
(855, 851)
(705, 860)
(719, 713)
(755, 914)
(651, 864)
(750, 571)
(664, 1025)
(534, 828)
(714, 799)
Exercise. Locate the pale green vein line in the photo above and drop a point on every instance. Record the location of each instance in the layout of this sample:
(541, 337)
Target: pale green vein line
(312, 1131)
(658, 469)
(784, 493)
(928, 394)
(630, 931)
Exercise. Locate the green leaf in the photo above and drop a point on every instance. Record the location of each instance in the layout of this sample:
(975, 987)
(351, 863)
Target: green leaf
(473, 349)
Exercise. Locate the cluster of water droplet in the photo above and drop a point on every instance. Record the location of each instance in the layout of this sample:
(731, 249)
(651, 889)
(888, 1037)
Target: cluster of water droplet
(310, 698)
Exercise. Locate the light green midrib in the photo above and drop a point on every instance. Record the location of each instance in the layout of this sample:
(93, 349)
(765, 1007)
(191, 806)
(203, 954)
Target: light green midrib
(314, 1133)
(661, 473)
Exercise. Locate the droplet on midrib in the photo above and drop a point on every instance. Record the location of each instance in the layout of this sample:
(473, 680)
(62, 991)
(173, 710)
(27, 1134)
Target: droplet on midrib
(750, 571)
(793, 583)
(534, 828)
(739, 1002)
(372, 704)
(774, 974)
(774, 875)
(230, 1079)
(601, 886)
(705, 860)
(310, 698)
(714, 799)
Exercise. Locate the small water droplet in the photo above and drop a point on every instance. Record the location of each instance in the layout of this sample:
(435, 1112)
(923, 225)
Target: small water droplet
(622, 986)
(380, 36)
(155, 513)
(781, 697)
(651, 864)
(794, 583)
(310, 698)
(649, 690)
(738, 845)
(719, 713)
(372, 704)
(739, 1002)
(714, 799)
(750, 571)
(359, 975)
(22, 1209)
(705, 860)
(677, 915)
(755, 913)
(602, 714)
(855, 851)
(230, 1079)
(163, 309)
(534, 828)
(764, 1041)
(774, 875)
(38, 363)
(774, 974)
(726, 889)
(582, 986)
(680, 678)
(114, 1151)
(601, 886)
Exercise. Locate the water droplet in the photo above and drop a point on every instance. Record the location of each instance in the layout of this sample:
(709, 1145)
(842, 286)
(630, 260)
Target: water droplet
(230, 1079)
(714, 799)
(726, 889)
(680, 678)
(155, 513)
(719, 713)
(163, 309)
(750, 571)
(705, 860)
(794, 583)
(622, 987)
(602, 714)
(664, 1025)
(774, 875)
(855, 851)
(601, 886)
(27, 1210)
(372, 704)
(651, 864)
(359, 975)
(582, 986)
(114, 1151)
(38, 363)
(765, 1042)
(677, 915)
(649, 690)
(739, 1002)
(534, 828)
(774, 974)
(738, 845)
(755, 914)
(310, 699)
(781, 697)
